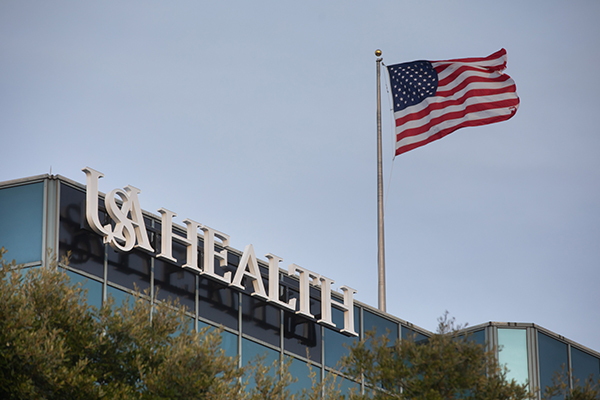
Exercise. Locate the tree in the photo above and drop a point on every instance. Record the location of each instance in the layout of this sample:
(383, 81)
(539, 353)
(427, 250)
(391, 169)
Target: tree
(449, 365)
(54, 346)
(589, 390)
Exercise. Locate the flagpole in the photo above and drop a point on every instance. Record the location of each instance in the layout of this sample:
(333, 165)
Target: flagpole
(380, 232)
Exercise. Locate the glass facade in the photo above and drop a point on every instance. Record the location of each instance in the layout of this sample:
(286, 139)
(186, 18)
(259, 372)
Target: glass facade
(21, 222)
(512, 348)
(585, 366)
(553, 358)
(250, 326)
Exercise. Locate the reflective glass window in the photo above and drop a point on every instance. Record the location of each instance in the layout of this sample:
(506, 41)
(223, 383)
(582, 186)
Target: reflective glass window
(408, 333)
(381, 325)
(346, 386)
(261, 320)
(512, 345)
(301, 370)
(131, 269)
(120, 297)
(173, 282)
(94, 288)
(229, 344)
(75, 236)
(336, 343)
(229, 341)
(218, 303)
(553, 357)
(301, 333)
(478, 337)
(21, 222)
(584, 366)
(250, 350)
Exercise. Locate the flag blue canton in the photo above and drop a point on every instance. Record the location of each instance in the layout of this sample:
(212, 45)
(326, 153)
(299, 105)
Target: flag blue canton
(412, 82)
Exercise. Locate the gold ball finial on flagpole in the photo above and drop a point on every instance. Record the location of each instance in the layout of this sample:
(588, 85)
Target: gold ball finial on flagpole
(378, 53)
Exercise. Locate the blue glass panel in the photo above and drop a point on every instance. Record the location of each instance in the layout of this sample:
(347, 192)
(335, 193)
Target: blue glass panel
(301, 333)
(75, 237)
(408, 333)
(218, 303)
(553, 358)
(478, 337)
(346, 386)
(336, 343)
(94, 288)
(512, 344)
(382, 327)
(261, 320)
(21, 222)
(173, 282)
(229, 341)
(250, 350)
(584, 366)
(300, 370)
(130, 269)
(119, 296)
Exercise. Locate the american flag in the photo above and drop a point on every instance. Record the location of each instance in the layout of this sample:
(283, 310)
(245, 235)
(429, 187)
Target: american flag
(434, 98)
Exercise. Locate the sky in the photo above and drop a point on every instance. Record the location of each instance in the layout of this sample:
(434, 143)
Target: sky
(258, 119)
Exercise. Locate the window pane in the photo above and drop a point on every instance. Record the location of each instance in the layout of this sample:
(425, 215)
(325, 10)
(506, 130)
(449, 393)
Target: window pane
(381, 325)
(119, 296)
(75, 235)
(512, 344)
(478, 337)
(260, 320)
(174, 282)
(408, 333)
(251, 349)
(94, 288)
(345, 386)
(301, 333)
(553, 357)
(131, 269)
(229, 341)
(336, 343)
(21, 222)
(584, 365)
(300, 370)
(218, 303)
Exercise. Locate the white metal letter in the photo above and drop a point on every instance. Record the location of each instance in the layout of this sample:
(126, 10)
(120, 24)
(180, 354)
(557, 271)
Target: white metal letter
(91, 201)
(304, 276)
(210, 254)
(249, 260)
(167, 237)
(274, 283)
(138, 220)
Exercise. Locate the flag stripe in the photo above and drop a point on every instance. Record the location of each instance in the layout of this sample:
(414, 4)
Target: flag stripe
(449, 118)
(477, 92)
(470, 92)
(469, 104)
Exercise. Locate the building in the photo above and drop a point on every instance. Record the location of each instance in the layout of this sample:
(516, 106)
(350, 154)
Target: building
(262, 308)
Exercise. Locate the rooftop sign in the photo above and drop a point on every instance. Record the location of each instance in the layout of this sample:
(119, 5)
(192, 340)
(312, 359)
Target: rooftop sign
(129, 232)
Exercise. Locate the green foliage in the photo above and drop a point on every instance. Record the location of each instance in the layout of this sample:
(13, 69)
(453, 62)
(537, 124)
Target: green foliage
(590, 390)
(54, 346)
(447, 366)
